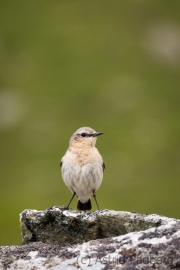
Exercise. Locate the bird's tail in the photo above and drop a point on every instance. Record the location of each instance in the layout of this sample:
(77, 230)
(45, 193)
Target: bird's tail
(84, 206)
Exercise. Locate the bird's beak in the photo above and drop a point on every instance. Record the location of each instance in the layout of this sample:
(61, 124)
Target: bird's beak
(97, 134)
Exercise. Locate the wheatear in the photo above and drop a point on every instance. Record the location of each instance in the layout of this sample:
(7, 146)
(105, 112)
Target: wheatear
(82, 167)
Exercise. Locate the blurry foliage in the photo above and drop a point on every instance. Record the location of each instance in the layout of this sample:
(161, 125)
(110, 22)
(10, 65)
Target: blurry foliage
(113, 66)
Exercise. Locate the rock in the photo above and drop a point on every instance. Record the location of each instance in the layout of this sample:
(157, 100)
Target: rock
(58, 225)
(58, 238)
(155, 248)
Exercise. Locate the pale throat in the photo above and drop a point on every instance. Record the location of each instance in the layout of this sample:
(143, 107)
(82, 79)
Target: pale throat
(83, 144)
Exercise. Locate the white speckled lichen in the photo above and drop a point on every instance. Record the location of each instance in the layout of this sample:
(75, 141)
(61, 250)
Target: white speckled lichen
(57, 225)
(154, 248)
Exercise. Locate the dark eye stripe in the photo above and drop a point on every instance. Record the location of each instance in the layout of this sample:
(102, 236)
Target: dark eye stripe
(90, 135)
(85, 135)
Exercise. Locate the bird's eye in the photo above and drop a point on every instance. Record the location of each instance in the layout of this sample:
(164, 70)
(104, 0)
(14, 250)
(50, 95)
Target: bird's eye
(83, 134)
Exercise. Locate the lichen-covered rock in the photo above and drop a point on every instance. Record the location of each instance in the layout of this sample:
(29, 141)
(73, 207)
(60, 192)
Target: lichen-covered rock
(58, 225)
(154, 248)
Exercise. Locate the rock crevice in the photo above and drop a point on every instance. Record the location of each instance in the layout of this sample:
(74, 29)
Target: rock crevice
(57, 225)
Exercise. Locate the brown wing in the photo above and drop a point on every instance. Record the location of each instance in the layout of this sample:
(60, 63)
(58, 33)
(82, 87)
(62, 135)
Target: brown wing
(103, 165)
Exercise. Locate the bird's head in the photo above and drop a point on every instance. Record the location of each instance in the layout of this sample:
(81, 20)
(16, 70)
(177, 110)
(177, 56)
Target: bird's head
(84, 137)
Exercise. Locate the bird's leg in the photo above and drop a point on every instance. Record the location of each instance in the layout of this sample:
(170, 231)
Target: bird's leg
(71, 199)
(96, 201)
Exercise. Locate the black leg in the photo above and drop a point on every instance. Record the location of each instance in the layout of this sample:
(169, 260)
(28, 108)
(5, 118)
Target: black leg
(96, 201)
(71, 200)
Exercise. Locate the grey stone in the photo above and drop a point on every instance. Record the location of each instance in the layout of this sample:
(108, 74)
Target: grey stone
(142, 241)
(57, 225)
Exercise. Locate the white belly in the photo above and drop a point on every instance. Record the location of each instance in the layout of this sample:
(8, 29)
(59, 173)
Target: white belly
(83, 180)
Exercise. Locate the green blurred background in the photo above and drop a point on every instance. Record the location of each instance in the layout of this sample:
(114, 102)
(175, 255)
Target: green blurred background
(110, 65)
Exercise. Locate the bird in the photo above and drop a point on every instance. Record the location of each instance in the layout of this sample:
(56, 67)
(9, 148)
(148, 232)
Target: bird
(82, 167)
